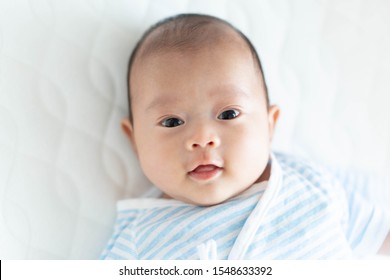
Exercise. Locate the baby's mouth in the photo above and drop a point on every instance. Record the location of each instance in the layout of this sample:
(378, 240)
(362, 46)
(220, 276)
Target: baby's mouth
(205, 172)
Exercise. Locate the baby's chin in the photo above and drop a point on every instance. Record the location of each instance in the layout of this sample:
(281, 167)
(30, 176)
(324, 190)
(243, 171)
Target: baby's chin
(208, 199)
(214, 193)
(206, 202)
(210, 202)
(198, 201)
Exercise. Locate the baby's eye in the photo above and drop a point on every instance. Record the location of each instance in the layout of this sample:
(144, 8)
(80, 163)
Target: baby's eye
(172, 122)
(228, 115)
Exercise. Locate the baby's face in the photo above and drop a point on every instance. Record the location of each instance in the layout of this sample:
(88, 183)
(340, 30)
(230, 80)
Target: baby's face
(201, 128)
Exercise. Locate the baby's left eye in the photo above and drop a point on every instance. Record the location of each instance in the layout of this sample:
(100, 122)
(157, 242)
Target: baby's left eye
(228, 115)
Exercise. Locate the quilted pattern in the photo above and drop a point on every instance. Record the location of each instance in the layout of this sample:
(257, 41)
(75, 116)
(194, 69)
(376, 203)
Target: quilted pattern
(63, 159)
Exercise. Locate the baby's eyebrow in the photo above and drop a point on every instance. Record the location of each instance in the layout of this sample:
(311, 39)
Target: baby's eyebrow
(221, 92)
(162, 101)
(228, 91)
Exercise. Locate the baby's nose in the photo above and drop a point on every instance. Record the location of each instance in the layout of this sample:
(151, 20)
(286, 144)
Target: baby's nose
(203, 138)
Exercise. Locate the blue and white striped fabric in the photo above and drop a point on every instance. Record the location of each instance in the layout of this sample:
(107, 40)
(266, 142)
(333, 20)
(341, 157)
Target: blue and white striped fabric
(301, 213)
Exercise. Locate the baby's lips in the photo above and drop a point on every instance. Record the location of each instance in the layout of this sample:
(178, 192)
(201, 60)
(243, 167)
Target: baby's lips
(205, 168)
(205, 172)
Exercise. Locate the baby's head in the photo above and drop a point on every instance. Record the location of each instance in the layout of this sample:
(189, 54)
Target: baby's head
(200, 121)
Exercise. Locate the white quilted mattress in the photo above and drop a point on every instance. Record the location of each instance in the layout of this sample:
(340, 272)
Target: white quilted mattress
(63, 159)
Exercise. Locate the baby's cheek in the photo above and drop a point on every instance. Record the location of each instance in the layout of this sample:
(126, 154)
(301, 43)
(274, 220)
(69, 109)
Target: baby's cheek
(149, 159)
(156, 163)
(251, 146)
(250, 135)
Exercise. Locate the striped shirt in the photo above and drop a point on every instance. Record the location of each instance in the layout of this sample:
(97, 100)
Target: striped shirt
(300, 213)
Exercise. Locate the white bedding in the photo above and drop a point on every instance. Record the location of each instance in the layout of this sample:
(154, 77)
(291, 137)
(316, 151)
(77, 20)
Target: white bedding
(63, 159)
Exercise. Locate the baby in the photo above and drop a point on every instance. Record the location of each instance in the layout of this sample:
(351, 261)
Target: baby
(201, 126)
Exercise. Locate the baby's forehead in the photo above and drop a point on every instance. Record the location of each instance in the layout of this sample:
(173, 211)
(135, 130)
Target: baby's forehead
(189, 35)
(189, 38)
(189, 41)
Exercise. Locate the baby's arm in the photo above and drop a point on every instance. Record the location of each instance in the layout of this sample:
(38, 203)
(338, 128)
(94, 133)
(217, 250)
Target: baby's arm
(385, 249)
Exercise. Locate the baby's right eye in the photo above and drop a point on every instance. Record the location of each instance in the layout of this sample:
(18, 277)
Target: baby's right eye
(172, 122)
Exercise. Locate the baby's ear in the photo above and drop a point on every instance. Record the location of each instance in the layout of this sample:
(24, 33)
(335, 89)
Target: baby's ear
(273, 116)
(127, 128)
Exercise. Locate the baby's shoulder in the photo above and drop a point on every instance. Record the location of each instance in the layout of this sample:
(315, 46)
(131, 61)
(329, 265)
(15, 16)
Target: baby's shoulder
(301, 175)
(306, 172)
(301, 165)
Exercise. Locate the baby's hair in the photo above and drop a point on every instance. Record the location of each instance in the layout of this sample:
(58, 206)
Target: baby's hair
(185, 32)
